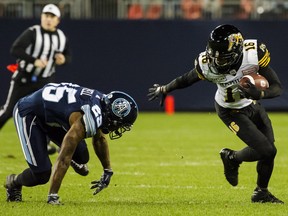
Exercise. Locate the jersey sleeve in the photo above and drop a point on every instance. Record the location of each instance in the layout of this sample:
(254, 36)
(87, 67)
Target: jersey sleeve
(18, 48)
(263, 55)
(64, 46)
(89, 121)
(183, 81)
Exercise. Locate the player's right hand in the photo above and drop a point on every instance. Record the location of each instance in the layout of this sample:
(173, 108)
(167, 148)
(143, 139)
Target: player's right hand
(251, 91)
(104, 181)
(157, 91)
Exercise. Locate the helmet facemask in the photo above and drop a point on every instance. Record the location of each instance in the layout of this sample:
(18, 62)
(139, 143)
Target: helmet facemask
(115, 134)
(223, 62)
(120, 113)
(225, 48)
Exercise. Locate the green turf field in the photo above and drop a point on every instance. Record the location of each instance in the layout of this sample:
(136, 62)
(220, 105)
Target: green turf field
(167, 165)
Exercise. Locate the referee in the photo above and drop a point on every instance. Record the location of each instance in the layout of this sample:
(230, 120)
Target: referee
(38, 50)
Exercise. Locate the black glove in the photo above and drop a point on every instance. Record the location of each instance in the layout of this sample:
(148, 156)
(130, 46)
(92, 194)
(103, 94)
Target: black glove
(155, 92)
(251, 91)
(53, 199)
(103, 182)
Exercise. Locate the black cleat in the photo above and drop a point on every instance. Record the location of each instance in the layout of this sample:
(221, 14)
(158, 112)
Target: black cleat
(264, 196)
(13, 193)
(81, 169)
(230, 166)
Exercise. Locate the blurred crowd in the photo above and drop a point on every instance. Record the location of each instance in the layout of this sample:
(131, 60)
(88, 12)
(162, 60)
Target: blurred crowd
(151, 9)
(207, 9)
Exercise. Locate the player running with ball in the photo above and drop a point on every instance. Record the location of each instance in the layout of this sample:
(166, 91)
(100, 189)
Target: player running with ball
(228, 57)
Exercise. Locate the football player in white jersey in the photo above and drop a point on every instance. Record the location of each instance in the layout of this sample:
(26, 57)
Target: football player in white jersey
(227, 58)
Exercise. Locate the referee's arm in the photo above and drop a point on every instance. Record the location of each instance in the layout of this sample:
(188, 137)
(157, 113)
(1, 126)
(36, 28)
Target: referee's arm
(67, 53)
(20, 44)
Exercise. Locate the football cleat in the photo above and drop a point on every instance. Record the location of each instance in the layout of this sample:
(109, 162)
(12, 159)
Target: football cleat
(81, 169)
(230, 166)
(264, 196)
(13, 193)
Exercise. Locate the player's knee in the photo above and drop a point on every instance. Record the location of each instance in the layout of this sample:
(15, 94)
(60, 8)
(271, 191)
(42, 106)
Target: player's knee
(43, 178)
(270, 152)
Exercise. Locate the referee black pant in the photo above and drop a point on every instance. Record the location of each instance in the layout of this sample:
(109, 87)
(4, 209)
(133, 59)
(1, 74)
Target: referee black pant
(20, 86)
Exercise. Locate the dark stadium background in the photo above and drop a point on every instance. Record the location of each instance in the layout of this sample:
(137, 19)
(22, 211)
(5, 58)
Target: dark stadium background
(132, 55)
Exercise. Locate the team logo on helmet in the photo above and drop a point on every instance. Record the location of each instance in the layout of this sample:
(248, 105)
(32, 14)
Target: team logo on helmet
(121, 107)
(234, 40)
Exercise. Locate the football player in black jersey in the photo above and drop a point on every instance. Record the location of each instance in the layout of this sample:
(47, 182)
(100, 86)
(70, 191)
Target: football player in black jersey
(67, 113)
(227, 58)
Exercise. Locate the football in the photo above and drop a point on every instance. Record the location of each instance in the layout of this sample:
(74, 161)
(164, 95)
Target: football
(259, 81)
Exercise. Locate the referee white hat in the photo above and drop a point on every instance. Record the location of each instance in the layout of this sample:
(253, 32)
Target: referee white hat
(53, 9)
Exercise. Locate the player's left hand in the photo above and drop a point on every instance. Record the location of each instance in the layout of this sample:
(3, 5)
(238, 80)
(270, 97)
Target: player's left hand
(157, 91)
(103, 182)
(251, 91)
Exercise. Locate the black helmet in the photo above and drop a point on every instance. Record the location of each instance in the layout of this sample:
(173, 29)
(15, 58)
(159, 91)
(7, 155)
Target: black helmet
(224, 47)
(119, 114)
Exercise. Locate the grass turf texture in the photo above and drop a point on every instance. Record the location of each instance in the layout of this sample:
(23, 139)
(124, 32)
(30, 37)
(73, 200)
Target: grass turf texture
(167, 165)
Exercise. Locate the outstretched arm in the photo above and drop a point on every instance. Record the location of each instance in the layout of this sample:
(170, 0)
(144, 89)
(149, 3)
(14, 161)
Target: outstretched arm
(180, 82)
(183, 81)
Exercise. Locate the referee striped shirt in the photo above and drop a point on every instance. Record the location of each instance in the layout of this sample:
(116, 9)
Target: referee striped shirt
(36, 43)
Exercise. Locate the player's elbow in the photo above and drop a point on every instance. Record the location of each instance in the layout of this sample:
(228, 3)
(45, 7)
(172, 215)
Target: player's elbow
(278, 90)
(269, 153)
(274, 90)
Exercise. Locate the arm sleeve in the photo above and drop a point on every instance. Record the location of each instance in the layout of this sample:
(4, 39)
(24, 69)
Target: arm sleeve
(275, 88)
(20, 45)
(183, 81)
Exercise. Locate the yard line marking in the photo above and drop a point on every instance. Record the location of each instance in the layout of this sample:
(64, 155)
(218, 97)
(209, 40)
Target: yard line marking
(178, 187)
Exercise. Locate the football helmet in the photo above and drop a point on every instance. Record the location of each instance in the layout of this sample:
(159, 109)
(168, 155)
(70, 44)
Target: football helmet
(224, 48)
(119, 114)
